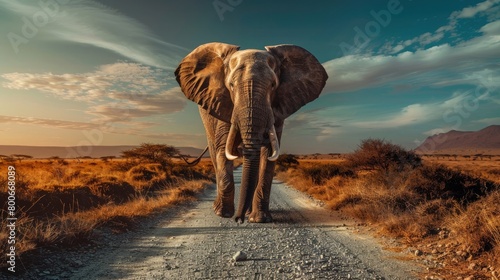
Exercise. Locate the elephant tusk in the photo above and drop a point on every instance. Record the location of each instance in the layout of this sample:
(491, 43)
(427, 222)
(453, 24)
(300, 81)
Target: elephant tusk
(273, 137)
(230, 142)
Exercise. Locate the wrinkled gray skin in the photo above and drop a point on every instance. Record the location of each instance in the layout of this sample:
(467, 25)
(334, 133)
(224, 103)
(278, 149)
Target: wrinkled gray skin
(244, 98)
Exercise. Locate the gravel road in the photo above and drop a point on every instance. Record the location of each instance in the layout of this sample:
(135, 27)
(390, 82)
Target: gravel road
(304, 242)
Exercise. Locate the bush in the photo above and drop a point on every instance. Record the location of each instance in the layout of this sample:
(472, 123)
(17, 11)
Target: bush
(143, 172)
(382, 156)
(440, 182)
(286, 161)
(320, 173)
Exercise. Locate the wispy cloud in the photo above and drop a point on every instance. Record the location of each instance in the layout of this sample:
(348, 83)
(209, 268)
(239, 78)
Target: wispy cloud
(488, 8)
(488, 120)
(357, 72)
(116, 92)
(328, 122)
(134, 128)
(92, 23)
(49, 123)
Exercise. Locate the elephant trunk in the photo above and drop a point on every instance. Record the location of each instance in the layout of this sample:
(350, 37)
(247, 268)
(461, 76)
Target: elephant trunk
(253, 119)
(249, 180)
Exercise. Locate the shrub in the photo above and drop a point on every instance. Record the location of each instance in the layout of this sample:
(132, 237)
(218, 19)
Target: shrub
(143, 172)
(478, 226)
(380, 155)
(286, 161)
(440, 182)
(320, 173)
(188, 172)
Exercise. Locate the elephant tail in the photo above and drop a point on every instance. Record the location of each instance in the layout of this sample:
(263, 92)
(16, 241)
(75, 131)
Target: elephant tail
(196, 161)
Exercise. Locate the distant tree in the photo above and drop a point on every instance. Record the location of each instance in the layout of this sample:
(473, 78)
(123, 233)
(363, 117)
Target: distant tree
(20, 157)
(6, 158)
(155, 153)
(106, 158)
(85, 157)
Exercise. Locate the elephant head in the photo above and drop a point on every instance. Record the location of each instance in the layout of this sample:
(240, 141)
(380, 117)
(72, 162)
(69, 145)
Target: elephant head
(254, 91)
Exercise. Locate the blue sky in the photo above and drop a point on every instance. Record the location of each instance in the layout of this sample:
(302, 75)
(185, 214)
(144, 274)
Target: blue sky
(79, 72)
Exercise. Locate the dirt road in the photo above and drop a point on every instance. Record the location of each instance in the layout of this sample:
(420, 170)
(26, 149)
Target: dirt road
(304, 242)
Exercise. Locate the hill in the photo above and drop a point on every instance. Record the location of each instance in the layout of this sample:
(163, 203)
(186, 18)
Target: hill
(484, 141)
(79, 151)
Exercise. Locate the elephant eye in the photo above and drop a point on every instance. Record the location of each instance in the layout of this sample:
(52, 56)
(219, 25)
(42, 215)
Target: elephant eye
(231, 86)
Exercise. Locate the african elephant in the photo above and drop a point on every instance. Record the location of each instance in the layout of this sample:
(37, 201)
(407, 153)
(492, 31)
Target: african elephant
(244, 97)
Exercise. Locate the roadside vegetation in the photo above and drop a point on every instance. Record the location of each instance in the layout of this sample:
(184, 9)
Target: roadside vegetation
(60, 202)
(449, 217)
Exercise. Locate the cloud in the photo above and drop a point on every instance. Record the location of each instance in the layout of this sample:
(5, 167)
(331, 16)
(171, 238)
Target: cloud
(117, 92)
(355, 72)
(137, 106)
(92, 86)
(327, 123)
(49, 123)
(409, 115)
(459, 104)
(489, 120)
(470, 12)
(488, 8)
(92, 23)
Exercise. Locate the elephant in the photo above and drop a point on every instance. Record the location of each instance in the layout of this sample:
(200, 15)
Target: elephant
(244, 97)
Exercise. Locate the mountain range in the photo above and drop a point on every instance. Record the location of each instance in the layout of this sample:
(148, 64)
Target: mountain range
(484, 141)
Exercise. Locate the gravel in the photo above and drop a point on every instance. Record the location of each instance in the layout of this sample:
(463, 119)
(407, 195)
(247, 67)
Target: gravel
(304, 242)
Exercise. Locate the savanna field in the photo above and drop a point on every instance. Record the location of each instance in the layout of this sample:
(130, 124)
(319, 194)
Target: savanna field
(443, 209)
(61, 202)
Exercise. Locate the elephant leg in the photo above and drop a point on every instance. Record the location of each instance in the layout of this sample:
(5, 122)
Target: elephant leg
(260, 205)
(224, 202)
(216, 137)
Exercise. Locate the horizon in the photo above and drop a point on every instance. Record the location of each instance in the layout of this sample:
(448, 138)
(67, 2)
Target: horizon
(100, 73)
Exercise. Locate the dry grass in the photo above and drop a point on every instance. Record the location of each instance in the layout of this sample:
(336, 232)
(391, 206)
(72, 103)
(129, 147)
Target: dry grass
(485, 168)
(63, 202)
(425, 206)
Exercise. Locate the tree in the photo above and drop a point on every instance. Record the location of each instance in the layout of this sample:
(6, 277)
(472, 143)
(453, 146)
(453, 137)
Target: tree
(380, 155)
(20, 157)
(155, 153)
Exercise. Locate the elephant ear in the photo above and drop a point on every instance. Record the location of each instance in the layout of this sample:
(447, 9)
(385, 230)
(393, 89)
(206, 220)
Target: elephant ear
(201, 77)
(301, 76)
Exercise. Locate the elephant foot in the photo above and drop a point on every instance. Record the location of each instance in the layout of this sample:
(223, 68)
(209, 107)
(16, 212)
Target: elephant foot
(223, 210)
(260, 217)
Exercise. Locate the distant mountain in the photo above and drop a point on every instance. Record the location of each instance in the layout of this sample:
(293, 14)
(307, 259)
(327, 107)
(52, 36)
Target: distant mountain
(486, 140)
(80, 151)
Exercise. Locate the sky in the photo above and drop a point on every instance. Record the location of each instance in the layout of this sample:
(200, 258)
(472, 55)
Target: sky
(88, 72)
